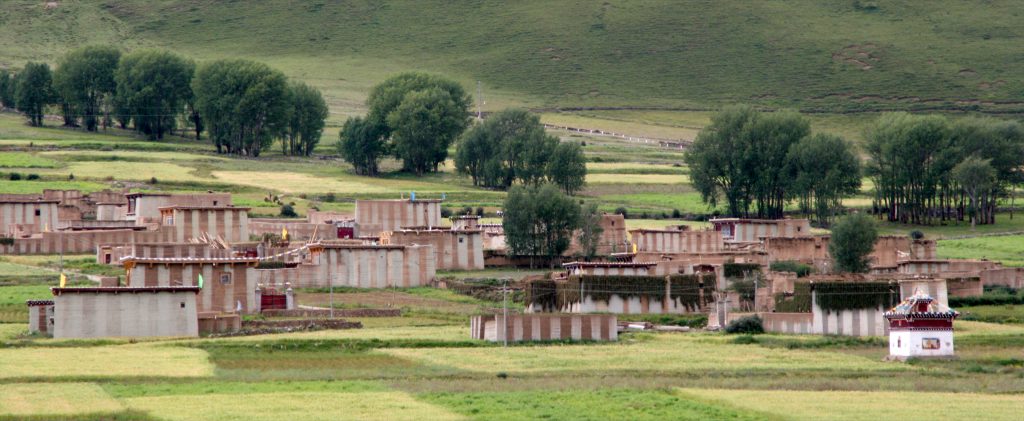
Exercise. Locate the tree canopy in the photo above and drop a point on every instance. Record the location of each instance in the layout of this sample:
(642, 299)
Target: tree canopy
(85, 81)
(539, 221)
(511, 147)
(6, 89)
(822, 169)
(742, 155)
(853, 239)
(420, 115)
(362, 144)
(912, 158)
(567, 167)
(306, 115)
(152, 90)
(244, 105)
(34, 91)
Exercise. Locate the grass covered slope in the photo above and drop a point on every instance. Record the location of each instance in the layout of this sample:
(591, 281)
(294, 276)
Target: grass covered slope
(837, 55)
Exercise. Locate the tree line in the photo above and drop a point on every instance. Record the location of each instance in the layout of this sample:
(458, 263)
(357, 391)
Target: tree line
(243, 105)
(758, 162)
(925, 168)
(542, 221)
(417, 117)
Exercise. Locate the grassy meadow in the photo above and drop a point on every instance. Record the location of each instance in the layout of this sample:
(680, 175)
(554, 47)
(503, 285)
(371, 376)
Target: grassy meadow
(643, 68)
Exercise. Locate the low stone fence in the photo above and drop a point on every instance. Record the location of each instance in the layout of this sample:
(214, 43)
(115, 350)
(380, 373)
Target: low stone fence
(349, 312)
(300, 324)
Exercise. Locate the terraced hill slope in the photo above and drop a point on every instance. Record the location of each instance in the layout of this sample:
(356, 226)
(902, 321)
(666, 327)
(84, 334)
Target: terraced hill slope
(838, 55)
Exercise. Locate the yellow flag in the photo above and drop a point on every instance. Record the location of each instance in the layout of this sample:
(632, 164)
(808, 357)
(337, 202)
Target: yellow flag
(634, 248)
(63, 280)
(284, 233)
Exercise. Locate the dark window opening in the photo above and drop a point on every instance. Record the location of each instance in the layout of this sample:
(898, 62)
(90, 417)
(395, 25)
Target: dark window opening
(182, 304)
(38, 212)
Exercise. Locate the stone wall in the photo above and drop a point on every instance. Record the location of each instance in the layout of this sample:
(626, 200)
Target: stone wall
(454, 249)
(297, 229)
(359, 266)
(677, 241)
(124, 312)
(376, 216)
(227, 286)
(545, 327)
(39, 214)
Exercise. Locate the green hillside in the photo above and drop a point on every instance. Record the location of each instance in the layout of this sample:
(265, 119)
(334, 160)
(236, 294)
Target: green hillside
(837, 55)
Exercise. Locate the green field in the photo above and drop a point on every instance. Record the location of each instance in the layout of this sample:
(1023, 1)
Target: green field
(843, 55)
(423, 365)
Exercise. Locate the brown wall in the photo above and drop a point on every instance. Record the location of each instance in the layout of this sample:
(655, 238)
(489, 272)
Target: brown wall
(24, 213)
(232, 224)
(376, 216)
(297, 229)
(677, 241)
(545, 327)
(216, 295)
(463, 250)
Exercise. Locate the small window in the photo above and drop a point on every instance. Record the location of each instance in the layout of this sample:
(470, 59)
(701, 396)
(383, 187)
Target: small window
(225, 278)
(38, 212)
(460, 239)
(214, 203)
(182, 304)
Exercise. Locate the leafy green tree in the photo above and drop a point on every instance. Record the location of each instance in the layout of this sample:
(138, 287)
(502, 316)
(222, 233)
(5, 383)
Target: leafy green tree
(306, 117)
(822, 170)
(539, 221)
(975, 176)
(423, 127)
(475, 152)
(716, 167)
(422, 114)
(1001, 143)
(589, 234)
(85, 81)
(853, 239)
(34, 91)
(508, 147)
(153, 88)
(764, 155)
(244, 105)
(6, 89)
(362, 145)
(908, 164)
(567, 167)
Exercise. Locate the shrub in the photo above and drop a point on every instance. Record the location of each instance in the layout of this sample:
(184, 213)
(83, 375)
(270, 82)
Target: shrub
(71, 177)
(480, 212)
(32, 177)
(748, 324)
(744, 340)
(621, 210)
(153, 180)
(288, 211)
(329, 197)
(14, 176)
(466, 210)
(676, 214)
(446, 212)
(800, 269)
(916, 234)
(7, 241)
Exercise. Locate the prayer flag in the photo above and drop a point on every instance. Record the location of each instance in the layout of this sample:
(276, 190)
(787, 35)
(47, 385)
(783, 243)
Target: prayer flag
(63, 280)
(200, 283)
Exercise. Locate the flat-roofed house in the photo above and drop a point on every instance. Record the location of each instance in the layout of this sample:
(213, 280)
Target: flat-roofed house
(99, 312)
(376, 216)
(228, 222)
(22, 216)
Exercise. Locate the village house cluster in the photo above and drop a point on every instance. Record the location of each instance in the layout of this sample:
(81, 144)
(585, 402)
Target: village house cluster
(195, 263)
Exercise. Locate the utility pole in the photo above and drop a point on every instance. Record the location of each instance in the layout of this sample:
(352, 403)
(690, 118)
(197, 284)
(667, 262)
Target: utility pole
(332, 295)
(479, 100)
(504, 305)
(61, 251)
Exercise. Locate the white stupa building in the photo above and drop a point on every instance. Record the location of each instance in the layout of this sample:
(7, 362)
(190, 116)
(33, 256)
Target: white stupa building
(919, 328)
